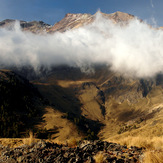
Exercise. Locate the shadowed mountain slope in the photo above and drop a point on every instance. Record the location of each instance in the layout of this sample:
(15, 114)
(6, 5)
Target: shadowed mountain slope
(20, 104)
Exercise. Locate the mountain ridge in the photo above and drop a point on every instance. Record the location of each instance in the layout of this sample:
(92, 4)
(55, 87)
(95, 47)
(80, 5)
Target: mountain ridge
(70, 21)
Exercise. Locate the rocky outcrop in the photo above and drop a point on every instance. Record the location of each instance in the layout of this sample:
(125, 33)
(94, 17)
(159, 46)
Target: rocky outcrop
(72, 21)
(86, 151)
(119, 17)
(33, 26)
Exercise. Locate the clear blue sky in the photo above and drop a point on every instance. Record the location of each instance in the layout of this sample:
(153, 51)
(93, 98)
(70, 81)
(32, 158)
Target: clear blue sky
(51, 11)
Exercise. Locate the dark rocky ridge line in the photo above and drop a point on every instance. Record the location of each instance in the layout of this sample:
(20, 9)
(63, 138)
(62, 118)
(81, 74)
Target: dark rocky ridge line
(33, 26)
(86, 151)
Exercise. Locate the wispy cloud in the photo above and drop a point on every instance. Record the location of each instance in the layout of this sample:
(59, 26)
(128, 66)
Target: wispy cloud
(152, 5)
(134, 50)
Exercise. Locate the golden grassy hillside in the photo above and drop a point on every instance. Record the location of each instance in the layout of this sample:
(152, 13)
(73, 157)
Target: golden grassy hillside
(126, 107)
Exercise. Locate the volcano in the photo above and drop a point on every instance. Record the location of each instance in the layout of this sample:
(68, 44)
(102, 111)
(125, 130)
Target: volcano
(72, 103)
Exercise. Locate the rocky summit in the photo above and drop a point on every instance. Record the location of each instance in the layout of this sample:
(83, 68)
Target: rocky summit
(86, 151)
(70, 21)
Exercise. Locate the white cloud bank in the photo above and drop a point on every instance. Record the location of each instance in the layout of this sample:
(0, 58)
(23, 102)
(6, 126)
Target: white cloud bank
(135, 49)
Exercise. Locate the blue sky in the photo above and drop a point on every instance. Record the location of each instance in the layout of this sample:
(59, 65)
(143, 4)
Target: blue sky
(51, 11)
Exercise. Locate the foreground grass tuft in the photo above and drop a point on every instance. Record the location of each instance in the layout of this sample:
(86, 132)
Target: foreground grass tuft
(100, 157)
(72, 142)
(153, 157)
(30, 140)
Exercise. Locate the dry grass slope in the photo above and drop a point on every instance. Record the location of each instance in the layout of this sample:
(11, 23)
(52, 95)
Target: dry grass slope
(153, 145)
(64, 129)
(153, 157)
